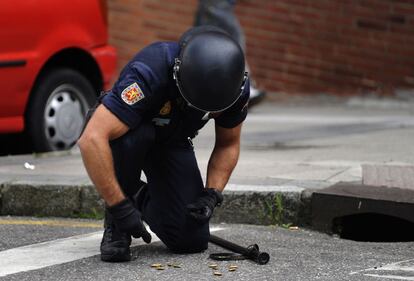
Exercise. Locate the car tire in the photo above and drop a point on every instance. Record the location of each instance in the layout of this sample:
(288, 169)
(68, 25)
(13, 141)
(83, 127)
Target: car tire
(57, 109)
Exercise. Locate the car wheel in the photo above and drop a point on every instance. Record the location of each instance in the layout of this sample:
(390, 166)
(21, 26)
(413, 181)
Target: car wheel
(57, 109)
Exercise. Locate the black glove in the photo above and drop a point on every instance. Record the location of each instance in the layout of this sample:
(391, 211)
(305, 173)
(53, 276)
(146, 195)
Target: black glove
(128, 220)
(202, 209)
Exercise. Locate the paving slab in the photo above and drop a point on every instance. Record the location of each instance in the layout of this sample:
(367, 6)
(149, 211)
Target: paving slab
(401, 176)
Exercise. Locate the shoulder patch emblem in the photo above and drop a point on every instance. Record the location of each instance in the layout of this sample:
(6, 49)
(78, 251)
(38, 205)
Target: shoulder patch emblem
(132, 94)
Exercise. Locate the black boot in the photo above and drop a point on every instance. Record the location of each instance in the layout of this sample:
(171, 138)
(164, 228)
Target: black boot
(114, 244)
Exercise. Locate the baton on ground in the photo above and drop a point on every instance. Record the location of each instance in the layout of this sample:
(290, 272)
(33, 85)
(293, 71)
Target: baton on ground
(251, 252)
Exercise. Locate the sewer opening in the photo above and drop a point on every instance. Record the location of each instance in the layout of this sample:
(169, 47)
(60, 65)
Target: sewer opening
(373, 227)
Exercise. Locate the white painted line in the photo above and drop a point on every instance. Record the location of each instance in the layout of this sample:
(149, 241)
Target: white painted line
(407, 266)
(401, 266)
(49, 253)
(390, 277)
(55, 252)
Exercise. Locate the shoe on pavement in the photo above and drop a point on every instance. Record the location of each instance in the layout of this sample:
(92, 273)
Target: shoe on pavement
(256, 96)
(114, 244)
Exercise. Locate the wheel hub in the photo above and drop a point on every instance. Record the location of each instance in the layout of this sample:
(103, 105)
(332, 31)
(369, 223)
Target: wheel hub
(64, 116)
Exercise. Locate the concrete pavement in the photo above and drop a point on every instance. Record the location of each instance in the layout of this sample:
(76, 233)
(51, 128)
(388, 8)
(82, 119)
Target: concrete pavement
(288, 152)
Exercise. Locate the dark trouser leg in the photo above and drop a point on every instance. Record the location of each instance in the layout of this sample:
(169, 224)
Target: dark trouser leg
(128, 152)
(220, 13)
(174, 181)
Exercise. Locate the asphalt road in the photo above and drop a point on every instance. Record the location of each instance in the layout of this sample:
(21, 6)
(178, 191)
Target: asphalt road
(68, 249)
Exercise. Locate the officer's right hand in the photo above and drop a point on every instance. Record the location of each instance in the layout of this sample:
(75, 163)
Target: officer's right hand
(202, 209)
(128, 220)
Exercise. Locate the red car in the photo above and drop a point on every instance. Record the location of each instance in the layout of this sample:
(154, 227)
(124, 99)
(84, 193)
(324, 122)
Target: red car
(54, 61)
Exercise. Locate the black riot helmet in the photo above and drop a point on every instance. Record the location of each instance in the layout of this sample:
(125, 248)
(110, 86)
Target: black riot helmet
(210, 71)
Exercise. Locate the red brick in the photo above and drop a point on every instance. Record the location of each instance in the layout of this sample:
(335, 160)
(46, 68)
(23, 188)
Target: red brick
(345, 46)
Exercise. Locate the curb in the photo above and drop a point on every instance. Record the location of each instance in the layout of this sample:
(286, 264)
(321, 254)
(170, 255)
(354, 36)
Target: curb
(266, 205)
(22, 199)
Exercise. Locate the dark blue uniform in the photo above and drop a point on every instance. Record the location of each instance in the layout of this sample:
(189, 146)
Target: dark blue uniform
(147, 100)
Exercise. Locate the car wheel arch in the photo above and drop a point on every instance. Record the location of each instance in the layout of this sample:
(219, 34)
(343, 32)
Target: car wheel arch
(75, 59)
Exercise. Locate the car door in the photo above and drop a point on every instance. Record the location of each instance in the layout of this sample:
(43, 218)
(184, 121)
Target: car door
(18, 37)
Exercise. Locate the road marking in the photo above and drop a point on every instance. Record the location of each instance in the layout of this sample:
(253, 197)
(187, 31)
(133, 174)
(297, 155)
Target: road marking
(386, 271)
(60, 223)
(390, 277)
(49, 253)
(58, 251)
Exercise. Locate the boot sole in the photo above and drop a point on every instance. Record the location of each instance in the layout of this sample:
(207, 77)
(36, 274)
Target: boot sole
(117, 257)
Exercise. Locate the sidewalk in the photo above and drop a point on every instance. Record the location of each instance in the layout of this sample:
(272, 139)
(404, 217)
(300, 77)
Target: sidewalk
(288, 153)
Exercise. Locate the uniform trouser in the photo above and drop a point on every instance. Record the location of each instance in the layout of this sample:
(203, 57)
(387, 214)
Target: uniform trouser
(174, 181)
(220, 13)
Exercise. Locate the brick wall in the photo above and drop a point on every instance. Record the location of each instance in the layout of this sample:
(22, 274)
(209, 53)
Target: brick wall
(295, 46)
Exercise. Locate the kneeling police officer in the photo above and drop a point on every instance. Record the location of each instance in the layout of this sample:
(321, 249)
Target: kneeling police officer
(163, 96)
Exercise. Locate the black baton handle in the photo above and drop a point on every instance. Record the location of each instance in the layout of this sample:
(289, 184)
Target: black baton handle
(251, 252)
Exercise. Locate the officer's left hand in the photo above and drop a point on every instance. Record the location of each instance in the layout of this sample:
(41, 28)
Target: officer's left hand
(202, 209)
